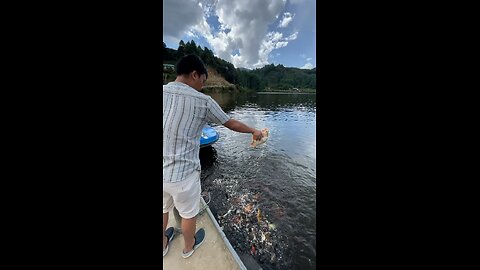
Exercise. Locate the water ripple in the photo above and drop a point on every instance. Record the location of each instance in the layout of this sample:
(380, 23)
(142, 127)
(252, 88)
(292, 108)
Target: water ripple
(276, 179)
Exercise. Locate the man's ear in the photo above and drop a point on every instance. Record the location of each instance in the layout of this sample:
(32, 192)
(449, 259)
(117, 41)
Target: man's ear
(194, 74)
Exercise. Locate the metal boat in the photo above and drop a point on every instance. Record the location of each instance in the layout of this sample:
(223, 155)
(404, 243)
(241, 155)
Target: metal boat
(215, 253)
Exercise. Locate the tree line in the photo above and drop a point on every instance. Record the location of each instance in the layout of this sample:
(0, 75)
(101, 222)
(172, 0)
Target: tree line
(268, 77)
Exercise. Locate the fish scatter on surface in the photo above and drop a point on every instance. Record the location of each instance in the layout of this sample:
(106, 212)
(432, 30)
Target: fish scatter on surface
(258, 215)
(248, 228)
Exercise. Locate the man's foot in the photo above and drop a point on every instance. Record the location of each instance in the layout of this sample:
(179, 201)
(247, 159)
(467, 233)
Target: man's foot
(199, 237)
(169, 234)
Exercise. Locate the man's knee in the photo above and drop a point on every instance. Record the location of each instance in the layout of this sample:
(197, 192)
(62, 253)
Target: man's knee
(189, 219)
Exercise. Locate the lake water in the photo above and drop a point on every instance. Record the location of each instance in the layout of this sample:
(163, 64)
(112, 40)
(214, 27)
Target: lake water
(265, 198)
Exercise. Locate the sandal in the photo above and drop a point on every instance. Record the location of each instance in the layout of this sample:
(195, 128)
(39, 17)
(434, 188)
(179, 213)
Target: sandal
(169, 234)
(199, 237)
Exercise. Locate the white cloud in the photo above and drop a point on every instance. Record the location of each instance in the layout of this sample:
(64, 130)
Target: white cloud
(287, 18)
(189, 33)
(293, 36)
(273, 40)
(179, 16)
(281, 44)
(208, 7)
(307, 66)
(304, 56)
(242, 37)
(243, 29)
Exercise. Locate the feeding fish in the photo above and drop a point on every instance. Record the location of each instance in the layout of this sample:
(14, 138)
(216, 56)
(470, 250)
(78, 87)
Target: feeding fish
(264, 138)
(258, 215)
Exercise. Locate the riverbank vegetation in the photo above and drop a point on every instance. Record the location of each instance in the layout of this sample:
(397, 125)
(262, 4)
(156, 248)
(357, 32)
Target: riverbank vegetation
(223, 76)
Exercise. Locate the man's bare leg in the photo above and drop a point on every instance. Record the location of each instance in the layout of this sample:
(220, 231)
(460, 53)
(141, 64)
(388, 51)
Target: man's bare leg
(188, 230)
(165, 223)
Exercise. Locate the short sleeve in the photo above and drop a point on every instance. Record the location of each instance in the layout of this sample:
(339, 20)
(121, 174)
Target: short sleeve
(215, 113)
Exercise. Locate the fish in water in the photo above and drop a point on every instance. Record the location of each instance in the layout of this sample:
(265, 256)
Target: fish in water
(272, 226)
(263, 237)
(255, 143)
(258, 215)
(248, 208)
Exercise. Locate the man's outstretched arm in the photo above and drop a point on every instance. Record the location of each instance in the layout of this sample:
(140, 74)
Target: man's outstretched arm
(238, 126)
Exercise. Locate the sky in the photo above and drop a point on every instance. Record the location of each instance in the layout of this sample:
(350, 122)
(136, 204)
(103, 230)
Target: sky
(247, 33)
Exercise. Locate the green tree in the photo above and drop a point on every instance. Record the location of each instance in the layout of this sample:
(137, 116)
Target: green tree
(180, 49)
(275, 77)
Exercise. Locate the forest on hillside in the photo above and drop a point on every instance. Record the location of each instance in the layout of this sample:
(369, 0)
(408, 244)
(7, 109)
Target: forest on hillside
(265, 78)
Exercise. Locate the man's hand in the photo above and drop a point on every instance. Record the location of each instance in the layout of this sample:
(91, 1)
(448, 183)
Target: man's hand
(257, 135)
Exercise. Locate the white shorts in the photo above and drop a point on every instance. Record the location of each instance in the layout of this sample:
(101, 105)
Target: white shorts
(184, 195)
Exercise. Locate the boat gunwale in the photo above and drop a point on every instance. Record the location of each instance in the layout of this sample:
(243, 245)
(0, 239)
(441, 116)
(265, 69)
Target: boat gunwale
(224, 237)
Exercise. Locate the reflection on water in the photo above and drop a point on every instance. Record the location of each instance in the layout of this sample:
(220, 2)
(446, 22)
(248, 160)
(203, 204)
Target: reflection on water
(227, 101)
(265, 197)
(272, 102)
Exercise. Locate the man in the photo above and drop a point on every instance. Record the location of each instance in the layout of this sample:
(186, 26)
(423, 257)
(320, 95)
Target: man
(185, 113)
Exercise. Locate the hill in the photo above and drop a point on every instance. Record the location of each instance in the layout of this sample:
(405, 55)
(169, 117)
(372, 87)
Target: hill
(223, 75)
(215, 81)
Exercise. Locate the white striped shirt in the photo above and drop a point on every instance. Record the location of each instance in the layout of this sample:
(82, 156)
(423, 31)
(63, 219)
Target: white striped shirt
(185, 112)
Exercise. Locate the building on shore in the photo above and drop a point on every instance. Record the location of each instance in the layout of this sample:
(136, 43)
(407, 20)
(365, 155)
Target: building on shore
(168, 67)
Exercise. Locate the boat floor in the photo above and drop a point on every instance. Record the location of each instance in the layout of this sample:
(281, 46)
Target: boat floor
(212, 254)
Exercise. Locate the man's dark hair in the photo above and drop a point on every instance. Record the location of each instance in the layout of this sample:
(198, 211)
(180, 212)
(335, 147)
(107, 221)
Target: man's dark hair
(190, 63)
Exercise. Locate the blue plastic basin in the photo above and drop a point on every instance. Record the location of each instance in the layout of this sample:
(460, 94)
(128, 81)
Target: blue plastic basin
(209, 136)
